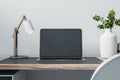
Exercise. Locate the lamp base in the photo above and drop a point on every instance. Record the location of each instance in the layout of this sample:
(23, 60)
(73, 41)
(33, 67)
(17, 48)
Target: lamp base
(19, 57)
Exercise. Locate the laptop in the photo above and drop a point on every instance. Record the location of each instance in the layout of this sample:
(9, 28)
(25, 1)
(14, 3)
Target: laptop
(61, 44)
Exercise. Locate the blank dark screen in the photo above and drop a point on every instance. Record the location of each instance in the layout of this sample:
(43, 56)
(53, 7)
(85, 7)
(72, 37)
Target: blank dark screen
(61, 43)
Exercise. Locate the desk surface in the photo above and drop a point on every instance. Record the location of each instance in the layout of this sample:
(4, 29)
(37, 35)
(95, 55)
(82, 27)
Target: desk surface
(91, 63)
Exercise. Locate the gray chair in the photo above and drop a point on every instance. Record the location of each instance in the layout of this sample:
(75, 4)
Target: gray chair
(108, 70)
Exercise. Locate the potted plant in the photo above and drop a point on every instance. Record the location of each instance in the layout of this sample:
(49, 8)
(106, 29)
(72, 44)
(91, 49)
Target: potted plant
(108, 41)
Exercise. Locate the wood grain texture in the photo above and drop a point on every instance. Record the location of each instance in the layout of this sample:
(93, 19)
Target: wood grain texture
(48, 66)
(102, 58)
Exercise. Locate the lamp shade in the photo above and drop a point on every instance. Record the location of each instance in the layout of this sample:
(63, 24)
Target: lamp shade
(28, 26)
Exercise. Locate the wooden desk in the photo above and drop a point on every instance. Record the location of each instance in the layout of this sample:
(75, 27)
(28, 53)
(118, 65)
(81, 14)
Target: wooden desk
(29, 69)
(15, 65)
(48, 66)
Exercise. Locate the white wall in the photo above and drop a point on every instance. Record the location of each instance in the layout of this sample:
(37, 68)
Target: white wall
(52, 14)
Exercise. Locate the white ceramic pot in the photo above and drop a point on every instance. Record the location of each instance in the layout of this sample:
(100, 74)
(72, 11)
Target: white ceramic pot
(108, 44)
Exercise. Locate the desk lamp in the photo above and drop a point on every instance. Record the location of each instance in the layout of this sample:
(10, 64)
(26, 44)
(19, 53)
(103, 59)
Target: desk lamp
(29, 29)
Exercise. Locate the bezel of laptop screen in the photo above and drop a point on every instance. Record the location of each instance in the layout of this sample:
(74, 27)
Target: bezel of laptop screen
(42, 57)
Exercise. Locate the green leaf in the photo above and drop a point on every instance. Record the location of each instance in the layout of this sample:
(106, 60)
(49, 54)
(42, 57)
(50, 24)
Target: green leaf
(111, 15)
(100, 26)
(96, 18)
(117, 22)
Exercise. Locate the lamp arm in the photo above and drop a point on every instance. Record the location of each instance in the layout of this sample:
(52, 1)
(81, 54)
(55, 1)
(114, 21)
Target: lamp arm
(23, 18)
(15, 37)
(15, 41)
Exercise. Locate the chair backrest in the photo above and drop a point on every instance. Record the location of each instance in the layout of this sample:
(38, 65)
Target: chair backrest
(108, 70)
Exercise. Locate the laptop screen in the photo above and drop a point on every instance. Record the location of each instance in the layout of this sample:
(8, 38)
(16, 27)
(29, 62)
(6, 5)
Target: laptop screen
(60, 44)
